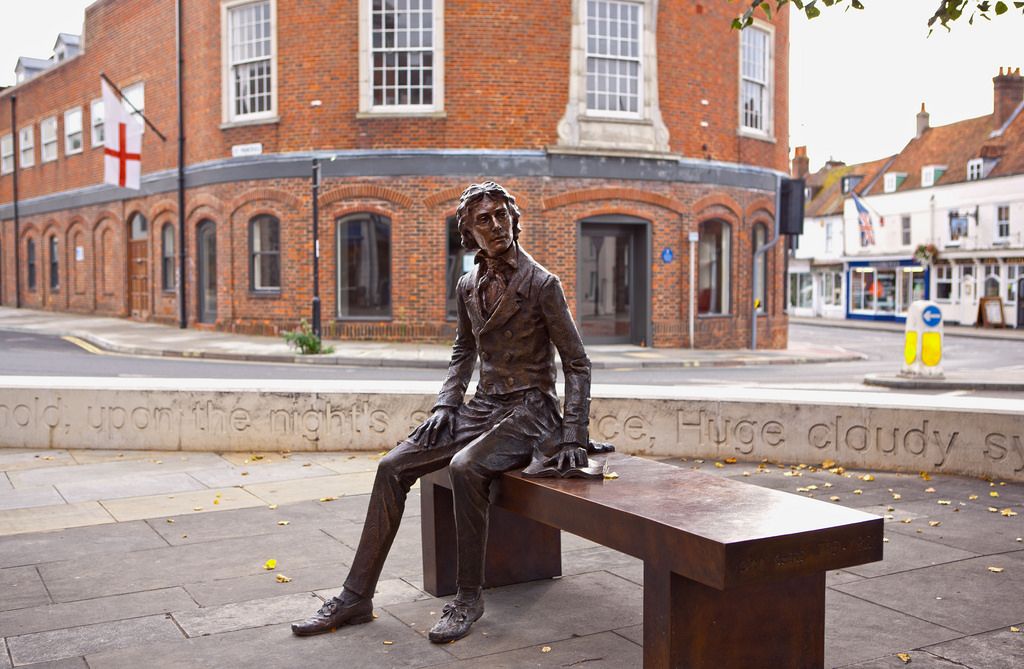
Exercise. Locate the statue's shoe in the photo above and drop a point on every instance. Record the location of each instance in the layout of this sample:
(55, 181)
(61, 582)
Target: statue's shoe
(333, 614)
(456, 619)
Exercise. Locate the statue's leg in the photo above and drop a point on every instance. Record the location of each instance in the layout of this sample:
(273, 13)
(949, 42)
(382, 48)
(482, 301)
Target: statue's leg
(396, 473)
(506, 446)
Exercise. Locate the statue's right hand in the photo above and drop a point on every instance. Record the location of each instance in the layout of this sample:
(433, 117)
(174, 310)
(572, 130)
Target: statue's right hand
(442, 419)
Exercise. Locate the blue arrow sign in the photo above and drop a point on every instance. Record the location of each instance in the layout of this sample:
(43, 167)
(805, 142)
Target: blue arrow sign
(931, 315)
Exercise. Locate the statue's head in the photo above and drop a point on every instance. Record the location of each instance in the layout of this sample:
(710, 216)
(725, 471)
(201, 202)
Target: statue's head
(474, 195)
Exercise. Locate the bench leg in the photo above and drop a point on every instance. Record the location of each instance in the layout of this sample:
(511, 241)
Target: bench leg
(518, 549)
(687, 624)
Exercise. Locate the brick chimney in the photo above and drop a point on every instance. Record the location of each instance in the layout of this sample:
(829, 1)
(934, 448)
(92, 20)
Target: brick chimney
(922, 121)
(1008, 91)
(801, 163)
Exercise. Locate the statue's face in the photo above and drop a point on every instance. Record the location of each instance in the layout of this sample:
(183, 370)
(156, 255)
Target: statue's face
(490, 223)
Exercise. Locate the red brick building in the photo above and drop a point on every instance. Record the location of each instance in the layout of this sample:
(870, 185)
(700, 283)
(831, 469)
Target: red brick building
(622, 126)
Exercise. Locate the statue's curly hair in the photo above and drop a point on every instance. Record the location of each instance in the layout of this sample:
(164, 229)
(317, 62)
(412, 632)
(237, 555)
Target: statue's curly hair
(474, 194)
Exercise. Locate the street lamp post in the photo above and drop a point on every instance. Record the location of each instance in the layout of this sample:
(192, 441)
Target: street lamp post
(316, 248)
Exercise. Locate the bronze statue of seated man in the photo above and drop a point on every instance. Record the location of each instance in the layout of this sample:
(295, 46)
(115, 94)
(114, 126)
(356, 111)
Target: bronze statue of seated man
(510, 312)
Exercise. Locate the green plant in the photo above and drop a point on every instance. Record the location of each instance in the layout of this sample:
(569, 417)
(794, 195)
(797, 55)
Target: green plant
(306, 340)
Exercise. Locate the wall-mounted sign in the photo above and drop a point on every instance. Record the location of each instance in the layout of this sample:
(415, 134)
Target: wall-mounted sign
(667, 255)
(693, 237)
(239, 150)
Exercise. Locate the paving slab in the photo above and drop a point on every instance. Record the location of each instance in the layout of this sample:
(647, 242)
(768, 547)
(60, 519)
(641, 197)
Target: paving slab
(244, 615)
(167, 463)
(839, 577)
(24, 498)
(857, 630)
(275, 647)
(65, 663)
(325, 575)
(406, 556)
(903, 553)
(919, 659)
(247, 522)
(199, 501)
(530, 615)
(973, 528)
(53, 517)
(595, 559)
(101, 609)
(998, 648)
(17, 459)
(962, 596)
(605, 650)
(82, 542)
(88, 456)
(5, 483)
(338, 485)
(76, 641)
(73, 580)
(132, 485)
(389, 591)
(246, 475)
(5, 659)
(345, 463)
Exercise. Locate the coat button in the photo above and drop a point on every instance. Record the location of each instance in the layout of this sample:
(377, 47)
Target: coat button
(508, 356)
(485, 356)
(508, 334)
(510, 381)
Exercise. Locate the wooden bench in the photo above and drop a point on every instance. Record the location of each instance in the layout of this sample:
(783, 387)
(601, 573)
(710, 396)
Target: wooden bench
(734, 574)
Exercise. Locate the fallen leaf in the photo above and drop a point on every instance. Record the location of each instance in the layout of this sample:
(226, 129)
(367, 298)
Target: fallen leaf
(934, 523)
(719, 465)
(257, 457)
(890, 508)
(929, 489)
(611, 475)
(828, 464)
(170, 520)
(944, 502)
(1020, 540)
(270, 564)
(282, 522)
(885, 540)
(328, 499)
(389, 643)
(197, 508)
(993, 509)
(746, 473)
(730, 461)
(904, 656)
(996, 570)
(858, 491)
(907, 521)
(867, 477)
(245, 473)
(812, 487)
(1008, 512)
(826, 485)
(993, 493)
(281, 578)
(926, 476)
(1014, 629)
(546, 649)
(216, 501)
(972, 497)
(272, 506)
(896, 495)
(307, 464)
(834, 498)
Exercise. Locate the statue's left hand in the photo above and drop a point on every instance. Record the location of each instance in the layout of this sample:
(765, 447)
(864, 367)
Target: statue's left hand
(569, 456)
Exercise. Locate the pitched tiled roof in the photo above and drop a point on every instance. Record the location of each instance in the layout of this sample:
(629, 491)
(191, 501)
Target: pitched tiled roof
(829, 199)
(953, 145)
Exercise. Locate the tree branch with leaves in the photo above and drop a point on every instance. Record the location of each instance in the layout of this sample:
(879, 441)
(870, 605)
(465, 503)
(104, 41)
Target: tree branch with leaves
(947, 12)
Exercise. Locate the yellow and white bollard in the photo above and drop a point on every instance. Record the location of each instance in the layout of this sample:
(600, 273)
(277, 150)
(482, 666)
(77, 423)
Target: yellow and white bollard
(922, 344)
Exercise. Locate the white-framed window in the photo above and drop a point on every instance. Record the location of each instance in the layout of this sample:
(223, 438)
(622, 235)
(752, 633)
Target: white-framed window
(930, 174)
(905, 230)
(136, 95)
(7, 154)
(975, 169)
(832, 288)
(1003, 221)
(250, 59)
(850, 182)
(991, 281)
(73, 131)
(756, 68)
(959, 226)
(48, 139)
(1013, 274)
(27, 147)
(893, 180)
(614, 58)
(96, 122)
(801, 290)
(401, 56)
(943, 283)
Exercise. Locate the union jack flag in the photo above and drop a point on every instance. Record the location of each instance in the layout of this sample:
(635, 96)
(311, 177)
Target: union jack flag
(867, 228)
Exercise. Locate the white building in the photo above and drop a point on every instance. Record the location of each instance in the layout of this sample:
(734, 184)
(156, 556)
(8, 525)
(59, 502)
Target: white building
(947, 221)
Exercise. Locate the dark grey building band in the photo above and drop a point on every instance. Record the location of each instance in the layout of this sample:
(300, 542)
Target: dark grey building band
(469, 164)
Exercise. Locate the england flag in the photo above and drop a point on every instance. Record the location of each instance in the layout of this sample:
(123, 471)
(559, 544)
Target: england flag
(122, 141)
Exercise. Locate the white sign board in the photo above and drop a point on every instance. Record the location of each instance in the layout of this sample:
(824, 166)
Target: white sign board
(239, 150)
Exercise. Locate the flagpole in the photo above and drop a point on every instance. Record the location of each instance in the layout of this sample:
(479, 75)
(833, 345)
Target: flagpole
(14, 174)
(134, 108)
(182, 304)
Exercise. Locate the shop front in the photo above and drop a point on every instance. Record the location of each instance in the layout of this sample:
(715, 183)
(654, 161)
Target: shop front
(884, 289)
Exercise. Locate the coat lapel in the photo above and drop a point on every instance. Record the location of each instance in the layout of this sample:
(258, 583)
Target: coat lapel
(517, 289)
(476, 311)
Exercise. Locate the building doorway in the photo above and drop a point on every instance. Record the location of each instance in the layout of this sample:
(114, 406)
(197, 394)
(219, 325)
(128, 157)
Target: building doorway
(613, 280)
(207, 284)
(138, 267)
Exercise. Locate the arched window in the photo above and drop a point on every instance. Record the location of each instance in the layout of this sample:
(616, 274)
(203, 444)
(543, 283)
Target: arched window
(364, 266)
(167, 277)
(30, 256)
(54, 264)
(139, 226)
(714, 267)
(460, 261)
(760, 269)
(265, 253)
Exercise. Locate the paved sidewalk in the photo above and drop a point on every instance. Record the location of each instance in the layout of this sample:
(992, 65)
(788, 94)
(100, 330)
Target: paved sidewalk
(135, 338)
(1011, 334)
(121, 559)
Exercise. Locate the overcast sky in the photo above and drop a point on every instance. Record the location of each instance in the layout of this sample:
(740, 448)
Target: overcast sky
(857, 78)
